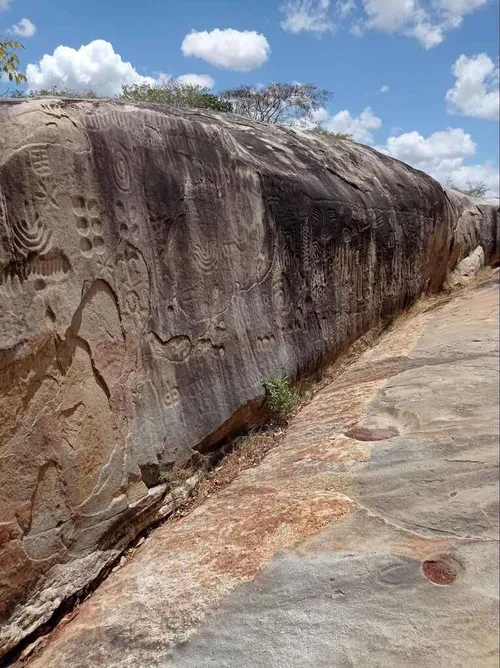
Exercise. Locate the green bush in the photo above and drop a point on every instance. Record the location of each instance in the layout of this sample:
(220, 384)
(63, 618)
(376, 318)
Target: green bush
(175, 94)
(281, 399)
(320, 130)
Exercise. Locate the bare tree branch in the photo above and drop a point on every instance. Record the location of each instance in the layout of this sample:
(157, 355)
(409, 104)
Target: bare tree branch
(277, 102)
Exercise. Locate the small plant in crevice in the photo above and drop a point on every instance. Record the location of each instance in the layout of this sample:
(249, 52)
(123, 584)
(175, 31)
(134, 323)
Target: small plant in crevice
(281, 398)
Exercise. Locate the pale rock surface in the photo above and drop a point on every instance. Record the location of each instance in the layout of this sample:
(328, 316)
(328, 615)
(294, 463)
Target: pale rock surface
(368, 537)
(466, 269)
(156, 266)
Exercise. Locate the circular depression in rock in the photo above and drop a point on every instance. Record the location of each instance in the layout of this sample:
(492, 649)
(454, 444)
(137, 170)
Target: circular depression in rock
(367, 434)
(440, 571)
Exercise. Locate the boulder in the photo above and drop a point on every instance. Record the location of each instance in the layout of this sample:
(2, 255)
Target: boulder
(466, 270)
(156, 266)
(368, 536)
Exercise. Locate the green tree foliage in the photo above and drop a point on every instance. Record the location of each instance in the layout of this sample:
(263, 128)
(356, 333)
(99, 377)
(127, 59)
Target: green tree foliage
(62, 92)
(320, 130)
(175, 94)
(9, 61)
(277, 102)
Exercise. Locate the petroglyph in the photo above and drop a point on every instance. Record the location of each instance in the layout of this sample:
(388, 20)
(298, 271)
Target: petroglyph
(31, 236)
(39, 159)
(156, 267)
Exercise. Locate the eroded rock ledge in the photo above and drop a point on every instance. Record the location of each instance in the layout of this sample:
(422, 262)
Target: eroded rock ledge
(155, 267)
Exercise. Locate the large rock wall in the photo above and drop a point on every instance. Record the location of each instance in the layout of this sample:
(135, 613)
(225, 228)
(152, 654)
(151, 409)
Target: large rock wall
(155, 268)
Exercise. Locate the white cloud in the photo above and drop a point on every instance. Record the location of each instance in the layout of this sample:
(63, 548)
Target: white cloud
(201, 80)
(384, 89)
(465, 176)
(446, 145)
(358, 126)
(24, 28)
(307, 15)
(426, 20)
(389, 15)
(228, 49)
(94, 66)
(476, 91)
(406, 17)
(314, 15)
(427, 34)
(345, 7)
(4, 5)
(460, 8)
(443, 155)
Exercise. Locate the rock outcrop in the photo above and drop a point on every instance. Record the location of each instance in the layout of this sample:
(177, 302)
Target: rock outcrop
(156, 266)
(367, 537)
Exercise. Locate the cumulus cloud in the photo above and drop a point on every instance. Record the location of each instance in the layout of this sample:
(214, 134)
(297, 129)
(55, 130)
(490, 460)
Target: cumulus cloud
(426, 20)
(444, 156)
(360, 127)
(228, 49)
(201, 80)
(307, 15)
(476, 90)
(94, 66)
(24, 28)
(384, 89)
(446, 145)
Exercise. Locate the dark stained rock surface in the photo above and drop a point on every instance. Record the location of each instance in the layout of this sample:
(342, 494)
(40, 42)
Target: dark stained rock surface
(335, 550)
(155, 268)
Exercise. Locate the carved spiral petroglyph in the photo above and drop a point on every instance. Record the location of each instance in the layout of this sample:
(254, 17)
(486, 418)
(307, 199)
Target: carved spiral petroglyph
(121, 169)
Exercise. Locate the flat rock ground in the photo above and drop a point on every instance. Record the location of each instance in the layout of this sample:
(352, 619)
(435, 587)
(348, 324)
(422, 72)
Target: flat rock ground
(367, 537)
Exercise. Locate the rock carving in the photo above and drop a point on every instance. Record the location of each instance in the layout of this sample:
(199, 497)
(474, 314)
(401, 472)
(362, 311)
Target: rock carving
(156, 266)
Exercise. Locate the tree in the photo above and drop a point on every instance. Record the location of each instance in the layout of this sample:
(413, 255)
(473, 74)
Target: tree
(277, 102)
(320, 130)
(478, 190)
(9, 60)
(175, 94)
(62, 92)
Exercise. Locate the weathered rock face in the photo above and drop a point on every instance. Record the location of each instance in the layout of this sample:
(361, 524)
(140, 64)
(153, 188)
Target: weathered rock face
(155, 268)
(367, 537)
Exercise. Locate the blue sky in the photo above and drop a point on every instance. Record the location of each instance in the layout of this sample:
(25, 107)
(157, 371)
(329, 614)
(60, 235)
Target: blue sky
(440, 120)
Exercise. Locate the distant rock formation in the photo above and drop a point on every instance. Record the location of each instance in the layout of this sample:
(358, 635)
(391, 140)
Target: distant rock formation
(156, 266)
